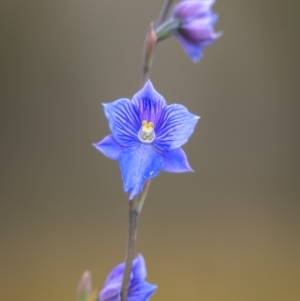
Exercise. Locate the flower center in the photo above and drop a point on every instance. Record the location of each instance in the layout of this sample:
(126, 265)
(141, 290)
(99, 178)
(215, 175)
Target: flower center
(146, 133)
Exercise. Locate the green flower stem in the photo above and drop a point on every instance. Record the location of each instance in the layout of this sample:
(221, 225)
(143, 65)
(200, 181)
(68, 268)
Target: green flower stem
(135, 208)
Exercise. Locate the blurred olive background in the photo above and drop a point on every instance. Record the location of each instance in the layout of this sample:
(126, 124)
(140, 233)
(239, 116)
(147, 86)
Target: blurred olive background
(229, 231)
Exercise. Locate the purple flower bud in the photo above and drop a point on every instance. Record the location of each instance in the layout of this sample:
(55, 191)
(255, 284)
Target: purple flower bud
(196, 21)
(139, 289)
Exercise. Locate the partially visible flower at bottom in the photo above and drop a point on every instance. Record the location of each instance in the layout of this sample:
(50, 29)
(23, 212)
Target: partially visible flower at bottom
(147, 136)
(139, 289)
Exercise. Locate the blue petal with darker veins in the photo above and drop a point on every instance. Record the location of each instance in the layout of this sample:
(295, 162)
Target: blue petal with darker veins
(109, 147)
(149, 103)
(124, 121)
(175, 127)
(138, 164)
(176, 161)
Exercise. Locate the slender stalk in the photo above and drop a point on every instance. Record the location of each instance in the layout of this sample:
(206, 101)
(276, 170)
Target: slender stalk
(132, 234)
(135, 208)
(163, 13)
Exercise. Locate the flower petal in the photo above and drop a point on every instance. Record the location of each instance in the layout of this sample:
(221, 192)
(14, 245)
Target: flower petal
(175, 127)
(123, 121)
(194, 51)
(116, 274)
(111, 292)
(197, 34)
(176, 161)
(200, 30)
(149, 103)
(138, 164)
(139, 268)
(113, 283)
(109, 147)
(185, 10)
(140, 291)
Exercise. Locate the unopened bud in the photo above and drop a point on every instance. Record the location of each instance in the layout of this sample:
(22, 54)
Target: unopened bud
(84, 287)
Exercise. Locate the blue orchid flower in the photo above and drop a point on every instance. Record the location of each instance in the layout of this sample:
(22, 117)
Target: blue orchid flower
(147, 136)
(138, 290)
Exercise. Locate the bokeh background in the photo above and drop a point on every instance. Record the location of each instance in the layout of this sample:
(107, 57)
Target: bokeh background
(229, 231)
